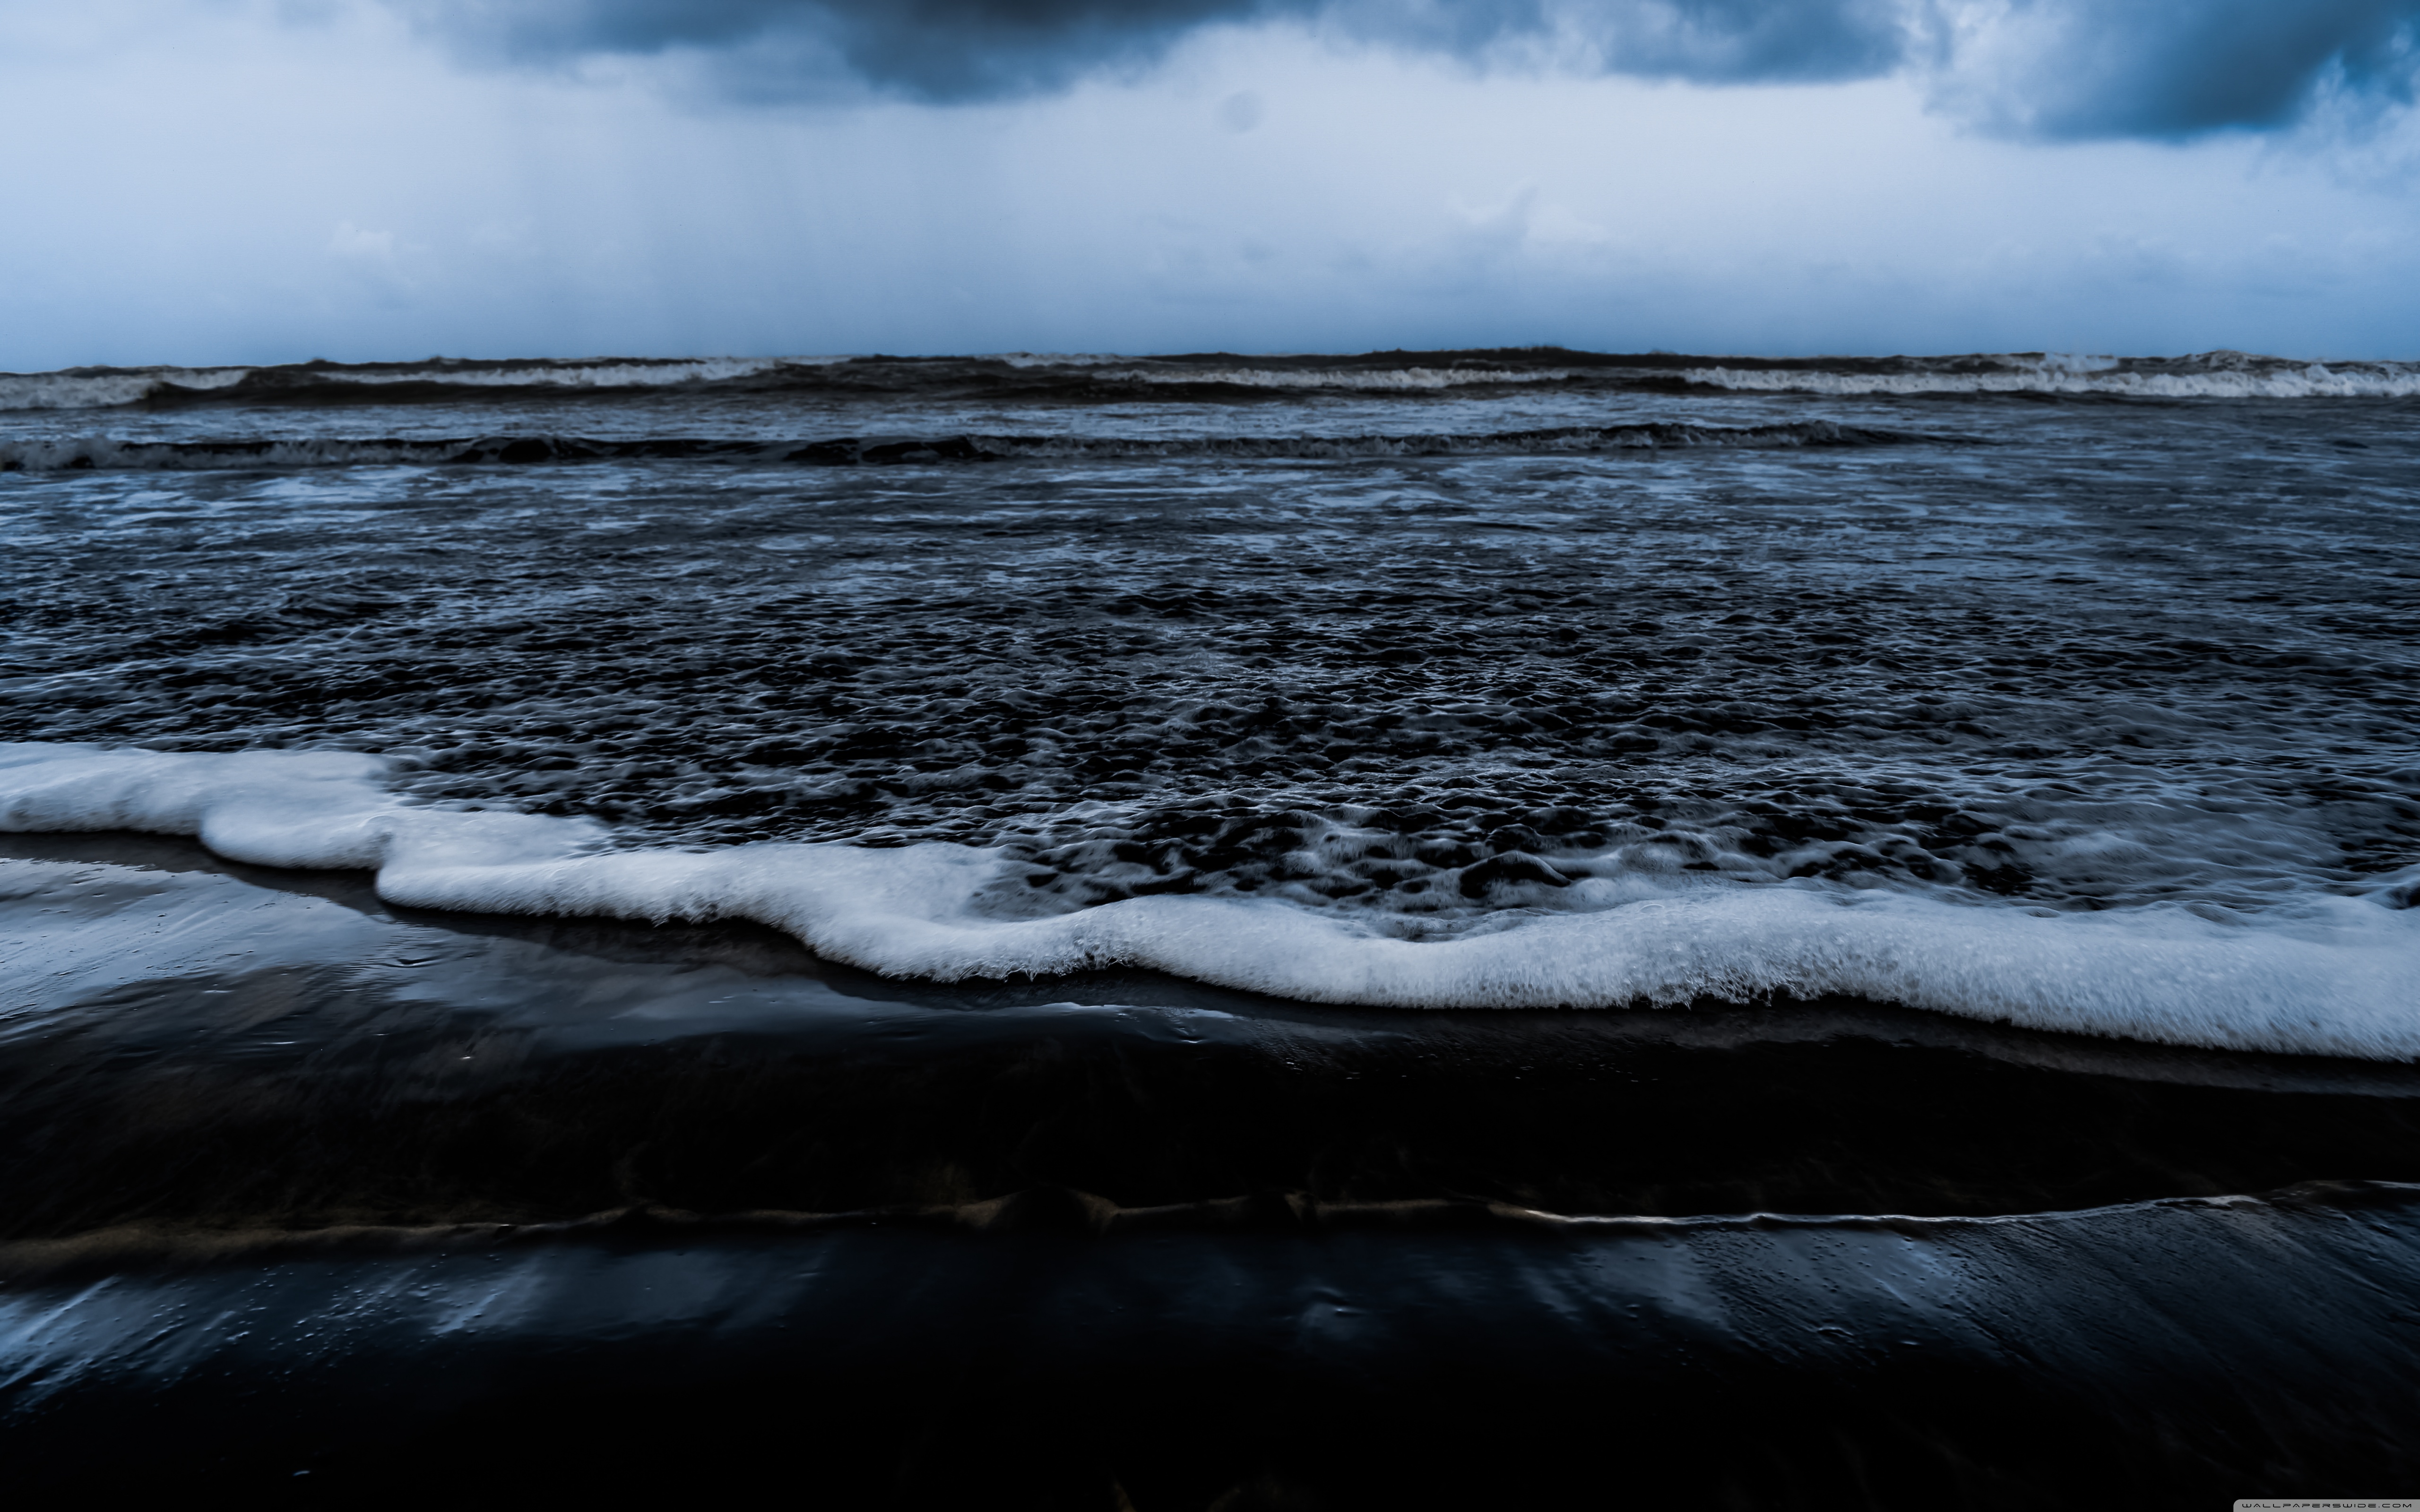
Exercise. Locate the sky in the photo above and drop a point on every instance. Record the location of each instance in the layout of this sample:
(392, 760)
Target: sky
(236, 181)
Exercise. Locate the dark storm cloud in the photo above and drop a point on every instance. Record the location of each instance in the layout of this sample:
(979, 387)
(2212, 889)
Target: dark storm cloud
(958, 49)
(939, 50)
(2182, 68)
(2044, 68)
(1706, 41)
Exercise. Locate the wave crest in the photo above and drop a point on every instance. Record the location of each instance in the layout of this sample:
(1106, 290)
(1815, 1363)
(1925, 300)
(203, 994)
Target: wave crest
(1214, 377)
(2338, 978)
(2208, 376)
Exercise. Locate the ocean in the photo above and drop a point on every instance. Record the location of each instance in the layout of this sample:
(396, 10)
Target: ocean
(1255, 931)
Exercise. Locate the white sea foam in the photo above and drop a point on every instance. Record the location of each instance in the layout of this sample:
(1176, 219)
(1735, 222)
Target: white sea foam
(106, 387)
(1367, 380)
(571, 375)
(111, 388)
(2339, 976)
(2216, 376)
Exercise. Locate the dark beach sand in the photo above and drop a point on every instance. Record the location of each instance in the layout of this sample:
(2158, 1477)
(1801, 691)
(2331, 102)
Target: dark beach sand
(295, 1181)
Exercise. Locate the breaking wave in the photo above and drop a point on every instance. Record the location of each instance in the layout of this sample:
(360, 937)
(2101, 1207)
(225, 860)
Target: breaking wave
(1401, 380)
(2336, 976)
(2209, 376)
(96, 388)
(1209, 377)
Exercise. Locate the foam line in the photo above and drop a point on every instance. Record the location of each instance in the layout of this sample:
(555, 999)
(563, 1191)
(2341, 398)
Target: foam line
(2313, 381)
(1398, 379)
(107, 388)
(2338, 975)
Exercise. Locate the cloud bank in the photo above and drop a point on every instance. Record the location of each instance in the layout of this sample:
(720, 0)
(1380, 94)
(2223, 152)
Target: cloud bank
(1467, 181)
(2172, 68)
(2042, 69)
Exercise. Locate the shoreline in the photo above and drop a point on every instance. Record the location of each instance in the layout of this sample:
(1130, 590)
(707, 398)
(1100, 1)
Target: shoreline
(217, 1047)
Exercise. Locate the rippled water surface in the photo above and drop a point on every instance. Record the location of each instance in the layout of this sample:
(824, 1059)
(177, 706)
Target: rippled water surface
(1420, 651)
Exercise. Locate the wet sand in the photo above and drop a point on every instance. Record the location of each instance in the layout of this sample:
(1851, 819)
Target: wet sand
(2144, 1356)
(302, 1182)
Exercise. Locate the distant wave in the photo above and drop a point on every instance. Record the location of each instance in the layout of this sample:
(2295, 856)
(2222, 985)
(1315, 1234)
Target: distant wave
(112, 455)
(1202, 377)
(2208, 376)
(1380, 380)
(310, 383)
(1017, 375)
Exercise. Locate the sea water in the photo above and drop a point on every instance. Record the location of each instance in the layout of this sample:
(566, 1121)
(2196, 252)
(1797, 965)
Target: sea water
(2074, 692)
(1413, 929)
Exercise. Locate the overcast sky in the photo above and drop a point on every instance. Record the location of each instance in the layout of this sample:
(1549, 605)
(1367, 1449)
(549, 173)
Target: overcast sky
(252, 180)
